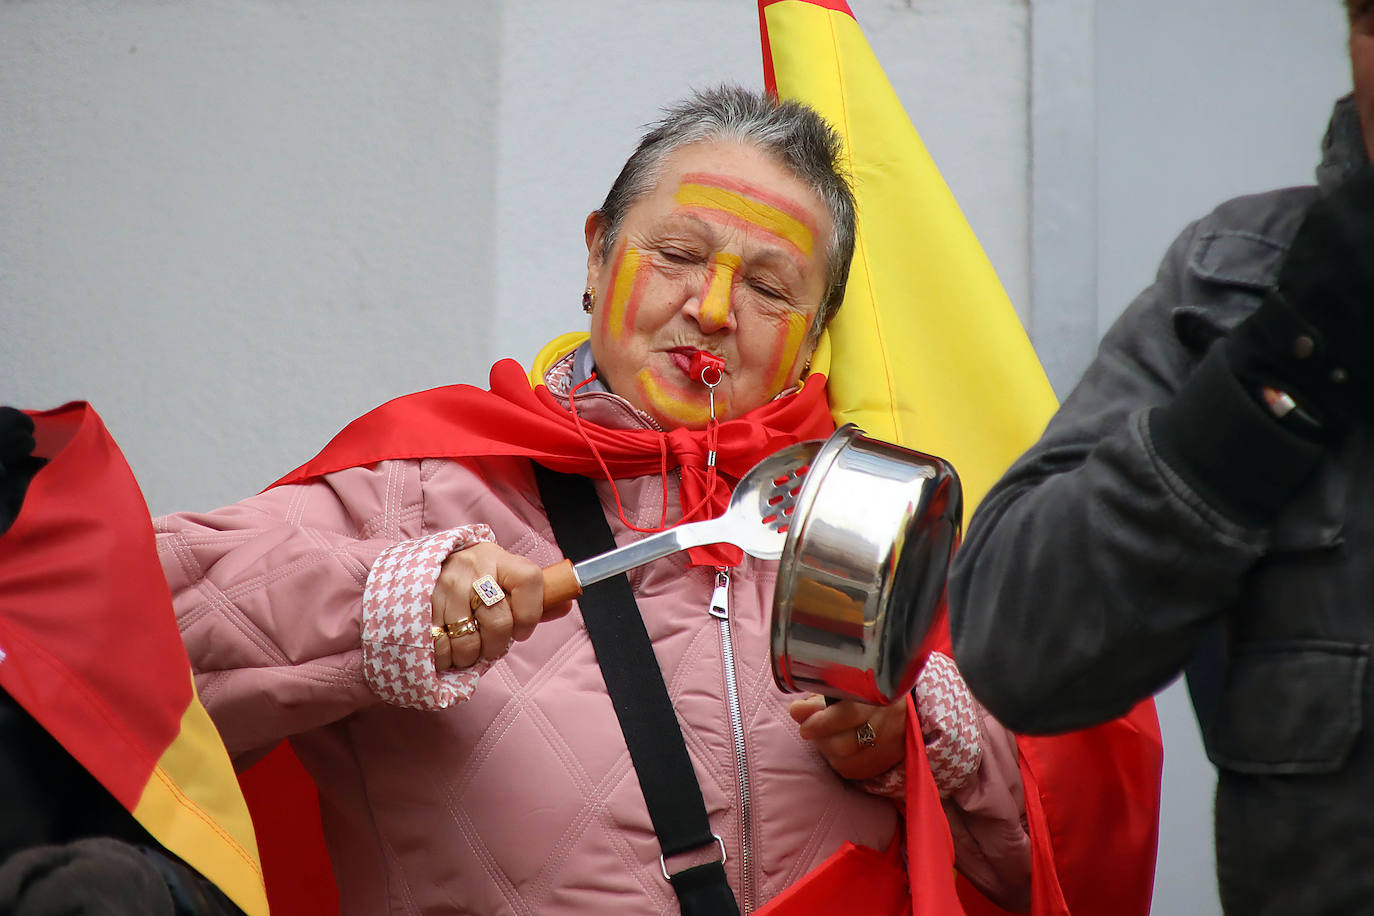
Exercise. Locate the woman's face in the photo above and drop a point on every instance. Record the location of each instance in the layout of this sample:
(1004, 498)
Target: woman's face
(726, 254)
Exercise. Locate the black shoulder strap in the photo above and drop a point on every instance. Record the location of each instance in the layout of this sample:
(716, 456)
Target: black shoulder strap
(637, 692)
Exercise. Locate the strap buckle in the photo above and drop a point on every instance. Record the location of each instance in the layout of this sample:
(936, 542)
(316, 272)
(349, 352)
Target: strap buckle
(663, 864)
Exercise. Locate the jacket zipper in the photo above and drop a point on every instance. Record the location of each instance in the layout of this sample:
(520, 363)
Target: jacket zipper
(720, 609)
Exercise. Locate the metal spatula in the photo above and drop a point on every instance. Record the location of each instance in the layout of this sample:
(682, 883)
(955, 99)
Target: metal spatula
(756, 522)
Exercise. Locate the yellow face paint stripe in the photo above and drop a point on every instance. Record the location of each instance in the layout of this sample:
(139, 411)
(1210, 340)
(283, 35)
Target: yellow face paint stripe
(711, 198)
(620, 310)
(715, 302)
(671, 405)
(731, 183)
(789, 345)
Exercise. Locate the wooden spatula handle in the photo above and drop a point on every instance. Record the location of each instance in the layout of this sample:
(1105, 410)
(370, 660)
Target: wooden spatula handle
(560, 583)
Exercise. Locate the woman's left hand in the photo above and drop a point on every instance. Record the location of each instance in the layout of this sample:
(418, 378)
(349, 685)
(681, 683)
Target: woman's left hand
(836, 733)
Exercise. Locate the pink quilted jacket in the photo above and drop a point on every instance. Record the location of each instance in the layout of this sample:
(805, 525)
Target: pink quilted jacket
(521, 798)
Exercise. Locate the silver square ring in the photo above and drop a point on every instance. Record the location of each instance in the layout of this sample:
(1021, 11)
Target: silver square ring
(487, 591)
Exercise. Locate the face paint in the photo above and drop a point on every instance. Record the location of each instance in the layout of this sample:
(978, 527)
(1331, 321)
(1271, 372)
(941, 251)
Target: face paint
(681, 405)
(715, 301)
(742, 206)
(626, 290)
(786, 349)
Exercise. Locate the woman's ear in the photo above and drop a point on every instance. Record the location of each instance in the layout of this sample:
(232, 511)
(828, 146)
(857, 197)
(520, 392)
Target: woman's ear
(595, 230)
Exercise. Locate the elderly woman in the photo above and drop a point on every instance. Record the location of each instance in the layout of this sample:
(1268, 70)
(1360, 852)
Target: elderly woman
(383, 605)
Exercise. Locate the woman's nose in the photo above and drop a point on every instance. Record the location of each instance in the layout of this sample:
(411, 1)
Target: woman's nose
(713, 307)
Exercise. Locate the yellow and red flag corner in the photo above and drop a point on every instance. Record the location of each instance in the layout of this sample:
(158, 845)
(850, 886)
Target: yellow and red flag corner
(89, 647)
(927, 350)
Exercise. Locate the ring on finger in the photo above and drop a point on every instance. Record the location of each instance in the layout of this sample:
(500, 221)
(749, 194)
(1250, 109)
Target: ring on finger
(487, 591)
(467, 627)
(437, 633)
(867, 737)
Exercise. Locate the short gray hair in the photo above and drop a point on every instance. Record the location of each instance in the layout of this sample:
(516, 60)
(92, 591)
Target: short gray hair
(791, 132)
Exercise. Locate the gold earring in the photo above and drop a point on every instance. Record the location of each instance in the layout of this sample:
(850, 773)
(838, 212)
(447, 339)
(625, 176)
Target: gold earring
(588, 299)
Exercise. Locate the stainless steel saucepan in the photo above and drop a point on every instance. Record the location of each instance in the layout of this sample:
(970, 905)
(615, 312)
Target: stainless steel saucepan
(862, 574)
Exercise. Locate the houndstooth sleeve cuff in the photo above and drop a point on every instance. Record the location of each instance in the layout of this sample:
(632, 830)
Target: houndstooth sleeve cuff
(948, 719)
(949, 724)
(398, 650)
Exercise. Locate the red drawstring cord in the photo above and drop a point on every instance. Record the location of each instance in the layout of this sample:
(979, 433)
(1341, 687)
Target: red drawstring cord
(712, 440)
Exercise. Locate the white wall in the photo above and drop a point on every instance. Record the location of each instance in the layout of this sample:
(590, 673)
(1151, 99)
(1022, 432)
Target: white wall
(234, 226)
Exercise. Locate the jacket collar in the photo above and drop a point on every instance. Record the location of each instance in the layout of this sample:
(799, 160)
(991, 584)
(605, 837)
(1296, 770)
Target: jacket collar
(1343, 149)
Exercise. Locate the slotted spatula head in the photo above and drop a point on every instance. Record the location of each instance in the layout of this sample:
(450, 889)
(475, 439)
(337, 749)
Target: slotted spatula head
(756, 521)
(768, 493)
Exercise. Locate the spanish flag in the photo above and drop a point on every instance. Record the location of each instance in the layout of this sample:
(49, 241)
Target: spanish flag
(89, 647)
(927, 351)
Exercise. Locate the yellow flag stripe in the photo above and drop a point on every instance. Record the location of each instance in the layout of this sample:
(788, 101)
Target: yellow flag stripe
(927, 349)
(193, 806)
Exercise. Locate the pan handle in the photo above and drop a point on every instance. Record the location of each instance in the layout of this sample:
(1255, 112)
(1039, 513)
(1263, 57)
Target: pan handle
(561, 583)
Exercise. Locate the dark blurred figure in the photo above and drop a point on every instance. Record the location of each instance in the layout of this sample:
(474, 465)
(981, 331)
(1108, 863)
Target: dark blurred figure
(1205, 499)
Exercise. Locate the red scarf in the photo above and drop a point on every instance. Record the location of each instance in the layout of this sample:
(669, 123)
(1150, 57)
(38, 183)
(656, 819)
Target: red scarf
(513, 419)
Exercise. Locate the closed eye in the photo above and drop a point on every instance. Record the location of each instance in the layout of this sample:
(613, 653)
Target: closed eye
(678, 256)
(767, 289)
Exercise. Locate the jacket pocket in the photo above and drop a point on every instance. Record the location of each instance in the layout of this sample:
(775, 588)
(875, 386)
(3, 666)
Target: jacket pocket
(1290, 708)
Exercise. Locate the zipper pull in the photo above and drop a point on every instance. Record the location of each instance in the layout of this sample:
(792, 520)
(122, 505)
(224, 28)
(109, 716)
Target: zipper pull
(720, 598)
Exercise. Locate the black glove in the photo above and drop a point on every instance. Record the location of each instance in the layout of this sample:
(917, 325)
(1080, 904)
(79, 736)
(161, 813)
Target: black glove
(1313, 336)
(17, 463)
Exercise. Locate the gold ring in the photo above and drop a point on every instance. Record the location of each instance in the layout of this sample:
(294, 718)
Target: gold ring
(437, 632)
(867, 737)
(487, 591)
(459, 630)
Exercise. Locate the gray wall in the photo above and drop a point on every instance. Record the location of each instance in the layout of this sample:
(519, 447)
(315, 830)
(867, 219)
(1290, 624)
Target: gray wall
(233, 225)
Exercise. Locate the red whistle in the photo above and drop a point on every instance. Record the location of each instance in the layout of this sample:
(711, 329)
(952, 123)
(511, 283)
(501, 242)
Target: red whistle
(702, 363)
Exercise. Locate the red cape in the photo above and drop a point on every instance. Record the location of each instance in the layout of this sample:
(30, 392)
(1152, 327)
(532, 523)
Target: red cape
(1092, 812)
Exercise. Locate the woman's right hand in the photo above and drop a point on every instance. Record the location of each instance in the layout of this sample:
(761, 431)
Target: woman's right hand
(481, 630)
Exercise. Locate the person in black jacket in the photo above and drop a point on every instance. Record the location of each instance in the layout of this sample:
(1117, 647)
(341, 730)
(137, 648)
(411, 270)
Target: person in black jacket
(1205, 499)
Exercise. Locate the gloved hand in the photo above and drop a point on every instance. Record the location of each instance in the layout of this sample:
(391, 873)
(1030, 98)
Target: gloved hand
(17, 463)
(1313, 336)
